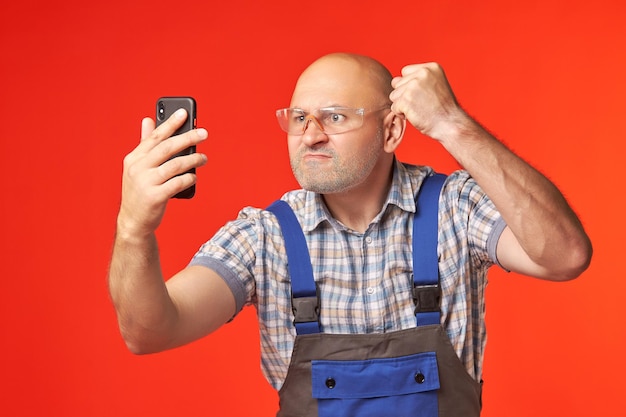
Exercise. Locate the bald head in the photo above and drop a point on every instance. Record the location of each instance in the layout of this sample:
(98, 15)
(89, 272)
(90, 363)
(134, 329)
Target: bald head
(343, 79)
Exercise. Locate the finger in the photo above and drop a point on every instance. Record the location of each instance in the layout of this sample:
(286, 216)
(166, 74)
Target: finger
(169, 126)
(403, 86)
(396, 81)
(175, 144)
(406, 73)
(418, 72)
(182, 179)
(178, 166)
(178, 183)
(410, 69)
(399, 82)
(395, 108)
(147, 126)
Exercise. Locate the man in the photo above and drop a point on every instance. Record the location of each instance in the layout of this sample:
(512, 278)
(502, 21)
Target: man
(347, 117)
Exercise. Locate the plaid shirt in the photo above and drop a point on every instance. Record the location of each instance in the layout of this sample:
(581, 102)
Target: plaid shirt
(364, 278)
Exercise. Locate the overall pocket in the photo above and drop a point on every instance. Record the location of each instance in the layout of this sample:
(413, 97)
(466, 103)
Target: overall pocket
(402, 386)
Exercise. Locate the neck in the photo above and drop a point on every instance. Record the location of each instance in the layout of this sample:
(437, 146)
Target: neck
(357, 207)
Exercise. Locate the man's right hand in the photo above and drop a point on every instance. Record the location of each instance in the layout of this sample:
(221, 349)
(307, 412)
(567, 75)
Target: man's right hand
(153, 314)
(150, 178)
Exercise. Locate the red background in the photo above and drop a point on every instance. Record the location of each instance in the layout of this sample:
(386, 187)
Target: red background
(76, 78)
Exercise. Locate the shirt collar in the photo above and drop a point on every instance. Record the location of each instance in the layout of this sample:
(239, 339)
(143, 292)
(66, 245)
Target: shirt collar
(402, 192)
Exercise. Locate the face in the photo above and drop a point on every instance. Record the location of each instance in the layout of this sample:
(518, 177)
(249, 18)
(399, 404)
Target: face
(340, 162)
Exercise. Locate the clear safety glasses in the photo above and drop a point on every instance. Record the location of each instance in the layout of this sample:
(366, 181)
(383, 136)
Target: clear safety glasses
(330, 120)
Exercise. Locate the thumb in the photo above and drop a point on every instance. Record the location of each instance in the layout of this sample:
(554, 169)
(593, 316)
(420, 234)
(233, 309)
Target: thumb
(147, 126)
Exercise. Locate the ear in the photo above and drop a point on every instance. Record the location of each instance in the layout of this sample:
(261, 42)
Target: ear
(395, 126)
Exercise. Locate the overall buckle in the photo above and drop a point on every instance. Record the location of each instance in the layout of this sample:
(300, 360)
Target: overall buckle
(305, 309)
(427, 298)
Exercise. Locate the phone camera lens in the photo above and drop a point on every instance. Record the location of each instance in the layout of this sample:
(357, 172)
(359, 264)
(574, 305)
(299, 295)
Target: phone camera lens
(161, 110)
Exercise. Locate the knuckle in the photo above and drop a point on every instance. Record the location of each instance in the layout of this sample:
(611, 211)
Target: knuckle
(131, 171)
(133, 156)
(175, 165)
(128, 160)
(157, 135)
(164, 150)
(165, 171)
(173, 168)
(414, 83)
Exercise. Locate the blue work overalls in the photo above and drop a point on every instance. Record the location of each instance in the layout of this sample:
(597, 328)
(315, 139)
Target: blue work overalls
(411, 372)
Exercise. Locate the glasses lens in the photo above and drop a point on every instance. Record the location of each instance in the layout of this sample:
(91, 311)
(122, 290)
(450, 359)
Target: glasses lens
(291, 120)
(340, 119)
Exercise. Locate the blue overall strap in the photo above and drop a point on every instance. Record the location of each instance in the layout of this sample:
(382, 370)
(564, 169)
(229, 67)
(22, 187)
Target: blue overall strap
(426, 289)
(304, 297)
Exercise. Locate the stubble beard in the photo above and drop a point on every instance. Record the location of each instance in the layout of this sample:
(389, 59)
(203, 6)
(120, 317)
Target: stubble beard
(338, 176)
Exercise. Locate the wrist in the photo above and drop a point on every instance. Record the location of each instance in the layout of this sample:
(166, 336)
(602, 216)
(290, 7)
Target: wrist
(453, 126)
(131, 231)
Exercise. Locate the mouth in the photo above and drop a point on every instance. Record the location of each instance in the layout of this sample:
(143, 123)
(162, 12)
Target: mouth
(316, 156)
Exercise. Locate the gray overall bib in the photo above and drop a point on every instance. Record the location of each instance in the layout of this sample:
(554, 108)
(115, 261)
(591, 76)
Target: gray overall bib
(412, 372)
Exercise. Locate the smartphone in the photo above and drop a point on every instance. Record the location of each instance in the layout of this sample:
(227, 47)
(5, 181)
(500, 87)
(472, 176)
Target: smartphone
(165, 107)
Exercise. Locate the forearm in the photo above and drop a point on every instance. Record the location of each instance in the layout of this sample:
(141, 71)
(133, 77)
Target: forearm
(146, 313)
(544, 237)
(149, 316)
(536, 212)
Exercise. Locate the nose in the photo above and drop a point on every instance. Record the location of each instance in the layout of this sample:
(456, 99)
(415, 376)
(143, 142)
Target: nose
(315, 134)
(310, 118)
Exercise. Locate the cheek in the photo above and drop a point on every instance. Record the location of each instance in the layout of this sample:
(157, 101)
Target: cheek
(361, 145)
(292, 145)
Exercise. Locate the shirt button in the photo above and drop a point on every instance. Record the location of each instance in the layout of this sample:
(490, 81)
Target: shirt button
(368, 240)
(371, 290)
